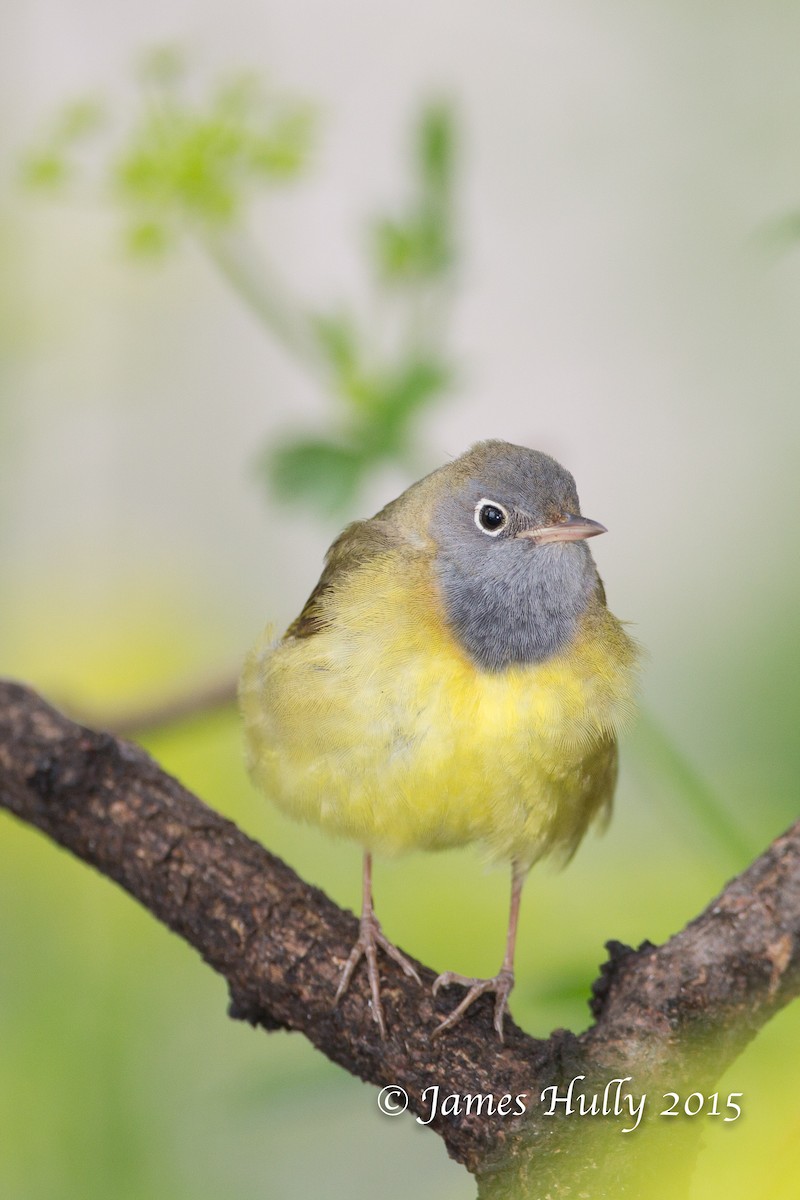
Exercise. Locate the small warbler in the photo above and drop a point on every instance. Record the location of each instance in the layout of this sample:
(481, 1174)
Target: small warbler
(454, 677)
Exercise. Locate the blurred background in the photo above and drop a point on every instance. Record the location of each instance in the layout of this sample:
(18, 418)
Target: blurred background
(261, 265)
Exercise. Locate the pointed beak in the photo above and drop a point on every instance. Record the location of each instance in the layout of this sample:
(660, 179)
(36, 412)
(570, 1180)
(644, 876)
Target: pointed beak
(569, 529)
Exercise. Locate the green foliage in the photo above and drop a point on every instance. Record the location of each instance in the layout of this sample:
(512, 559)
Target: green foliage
(181, 163)
(382, 407)
(184, 165)
(420, 246)
(50, 165)
(194, 166)
(379, 397)
(316, 468)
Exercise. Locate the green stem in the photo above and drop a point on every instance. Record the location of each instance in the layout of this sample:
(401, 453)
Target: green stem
(703, 802)
(237, 260)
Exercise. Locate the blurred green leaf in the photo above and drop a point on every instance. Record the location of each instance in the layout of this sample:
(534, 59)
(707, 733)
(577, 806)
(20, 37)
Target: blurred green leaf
(436, 147)
(381, 394)
(328, 473)
(317, 470)
(181, 165)
(411, 388)
(199, 166)
(46, 170)
(148, 239)
(162, 66)
(49, 166)
(337, 338)
(394, 249)
(80, 119)
(193, 166)
(419, 246)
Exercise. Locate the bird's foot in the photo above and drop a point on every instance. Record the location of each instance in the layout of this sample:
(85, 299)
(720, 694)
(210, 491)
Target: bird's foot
(370, 937)
(501, 985)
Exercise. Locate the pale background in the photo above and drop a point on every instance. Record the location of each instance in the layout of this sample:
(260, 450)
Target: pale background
(620, 306)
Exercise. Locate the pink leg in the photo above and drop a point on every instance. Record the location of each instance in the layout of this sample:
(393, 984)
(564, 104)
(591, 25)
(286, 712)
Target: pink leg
(502, 983)
(370, 937)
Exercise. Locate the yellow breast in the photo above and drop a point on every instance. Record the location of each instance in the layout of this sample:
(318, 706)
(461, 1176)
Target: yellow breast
(379, 728)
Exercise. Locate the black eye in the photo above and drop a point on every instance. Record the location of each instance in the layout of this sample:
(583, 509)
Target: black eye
(490, 517)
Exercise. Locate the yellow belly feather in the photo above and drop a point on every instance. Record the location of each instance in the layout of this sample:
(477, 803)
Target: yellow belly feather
(379, 728)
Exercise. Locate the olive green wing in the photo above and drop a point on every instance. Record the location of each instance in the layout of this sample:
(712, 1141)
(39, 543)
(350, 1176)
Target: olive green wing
(356, 546)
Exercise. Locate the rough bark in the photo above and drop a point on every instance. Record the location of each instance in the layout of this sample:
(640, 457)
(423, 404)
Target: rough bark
(671, 1016)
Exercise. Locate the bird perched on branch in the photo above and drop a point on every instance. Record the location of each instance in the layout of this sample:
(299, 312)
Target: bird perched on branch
(454, 677)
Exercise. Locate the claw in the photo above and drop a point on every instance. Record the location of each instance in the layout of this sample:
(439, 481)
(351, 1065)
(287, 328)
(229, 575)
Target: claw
(370, 937)
(501, 985)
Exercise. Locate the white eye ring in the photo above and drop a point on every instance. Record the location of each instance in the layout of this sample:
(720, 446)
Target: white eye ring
(486, 503)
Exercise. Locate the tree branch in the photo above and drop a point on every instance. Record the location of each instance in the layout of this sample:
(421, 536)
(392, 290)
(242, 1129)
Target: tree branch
(198, 701)
(281, 944)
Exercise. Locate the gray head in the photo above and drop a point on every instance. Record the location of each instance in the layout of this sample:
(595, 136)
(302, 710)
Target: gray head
(513, 564)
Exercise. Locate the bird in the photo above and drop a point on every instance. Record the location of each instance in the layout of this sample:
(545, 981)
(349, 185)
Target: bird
(455, 677)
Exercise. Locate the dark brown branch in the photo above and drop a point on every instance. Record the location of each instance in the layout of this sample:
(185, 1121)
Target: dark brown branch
(280, 945)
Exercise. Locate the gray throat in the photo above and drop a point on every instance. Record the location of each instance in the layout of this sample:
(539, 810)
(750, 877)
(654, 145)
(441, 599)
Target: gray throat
(521, 614)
